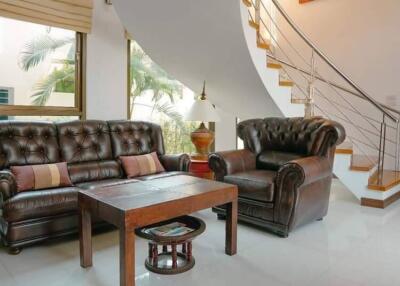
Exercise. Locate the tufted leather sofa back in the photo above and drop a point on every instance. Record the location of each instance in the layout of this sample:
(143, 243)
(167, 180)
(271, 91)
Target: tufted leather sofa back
(135, 138)
(294, 135)
(86, 147)
(91, 147)
(23, 143)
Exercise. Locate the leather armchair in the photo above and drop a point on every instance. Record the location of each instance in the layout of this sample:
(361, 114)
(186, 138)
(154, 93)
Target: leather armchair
(284, 173)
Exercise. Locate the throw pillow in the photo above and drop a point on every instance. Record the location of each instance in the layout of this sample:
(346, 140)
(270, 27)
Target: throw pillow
(141, 165)
(37, 177)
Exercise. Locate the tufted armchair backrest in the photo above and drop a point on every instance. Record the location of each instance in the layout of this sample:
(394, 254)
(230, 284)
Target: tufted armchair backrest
(135, 138)
(293, 135)
(23, 143)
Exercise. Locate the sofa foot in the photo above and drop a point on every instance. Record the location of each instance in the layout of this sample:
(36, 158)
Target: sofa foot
(282, 234)
(320, 219)
(14, 250)
(221, 217)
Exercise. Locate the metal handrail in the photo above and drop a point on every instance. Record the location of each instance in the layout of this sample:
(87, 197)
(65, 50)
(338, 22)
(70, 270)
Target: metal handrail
(329, 82)
(331, 64)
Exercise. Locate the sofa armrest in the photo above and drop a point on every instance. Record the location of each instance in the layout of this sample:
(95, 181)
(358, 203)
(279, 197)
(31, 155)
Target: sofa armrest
(8, 186)
(230, 162)
(176, 162)
(302, 192)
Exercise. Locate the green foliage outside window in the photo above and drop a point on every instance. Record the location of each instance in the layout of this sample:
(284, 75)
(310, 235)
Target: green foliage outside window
(165, 92)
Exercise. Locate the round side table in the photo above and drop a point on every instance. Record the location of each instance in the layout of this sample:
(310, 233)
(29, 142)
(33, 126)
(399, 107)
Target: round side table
(176, 251)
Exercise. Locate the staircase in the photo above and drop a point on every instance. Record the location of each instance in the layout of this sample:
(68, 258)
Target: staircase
(309, 84)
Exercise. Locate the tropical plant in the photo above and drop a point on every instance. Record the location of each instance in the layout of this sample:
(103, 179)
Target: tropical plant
(146, 75)
(61, 79)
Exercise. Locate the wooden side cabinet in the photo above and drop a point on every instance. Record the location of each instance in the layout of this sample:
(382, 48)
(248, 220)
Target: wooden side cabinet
(201, 169)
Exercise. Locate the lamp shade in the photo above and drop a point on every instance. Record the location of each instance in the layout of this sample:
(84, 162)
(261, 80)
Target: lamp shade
(202, 110)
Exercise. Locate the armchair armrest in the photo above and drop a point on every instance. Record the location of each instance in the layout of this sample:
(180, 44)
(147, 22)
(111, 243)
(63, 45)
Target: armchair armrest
(230, 162)
(302, 191)
(306, 170)
(8, 186)
(176, 162)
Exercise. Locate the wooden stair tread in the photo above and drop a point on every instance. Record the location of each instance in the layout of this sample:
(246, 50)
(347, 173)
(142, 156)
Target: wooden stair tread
(344, 148)
(288, 83)
(247, 3)
(273, 65)
(362, 162)
(263, 45)
(254, 25)
(298, 100)
(389, 180)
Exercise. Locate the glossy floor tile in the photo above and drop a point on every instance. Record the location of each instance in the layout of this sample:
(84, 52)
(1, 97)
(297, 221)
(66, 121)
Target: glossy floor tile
(352, 246)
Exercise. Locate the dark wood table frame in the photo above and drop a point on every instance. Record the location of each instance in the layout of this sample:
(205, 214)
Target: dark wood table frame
(138, 204)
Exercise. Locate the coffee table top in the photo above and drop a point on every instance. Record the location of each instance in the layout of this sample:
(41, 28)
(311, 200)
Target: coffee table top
(187, 193)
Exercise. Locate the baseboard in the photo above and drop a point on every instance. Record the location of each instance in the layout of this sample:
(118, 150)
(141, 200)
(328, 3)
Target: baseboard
(380, 204)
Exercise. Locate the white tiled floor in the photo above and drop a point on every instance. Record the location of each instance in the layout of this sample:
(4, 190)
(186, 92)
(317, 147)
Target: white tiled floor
(353, 246)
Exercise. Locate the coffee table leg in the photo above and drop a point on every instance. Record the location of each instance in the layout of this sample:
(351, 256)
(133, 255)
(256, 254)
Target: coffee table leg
(127, 257)
(231, 228)
(85, 237)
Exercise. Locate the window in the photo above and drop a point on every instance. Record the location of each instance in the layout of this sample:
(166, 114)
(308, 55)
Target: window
(154, 96)
(43, 65)
(6, 97)
(239, 142)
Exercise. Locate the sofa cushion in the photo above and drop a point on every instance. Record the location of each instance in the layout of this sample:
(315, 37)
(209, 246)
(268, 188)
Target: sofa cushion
(254, 185)
(161, 175)
(105, 183)
(36, 204)
(135, 138)
(273, 160)
(93, 171)
(84, 141)
(27, 143)
(37, 177)
(141, 165)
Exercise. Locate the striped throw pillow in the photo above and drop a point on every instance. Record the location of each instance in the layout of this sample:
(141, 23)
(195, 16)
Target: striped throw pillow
(141, 165)
(38, 177)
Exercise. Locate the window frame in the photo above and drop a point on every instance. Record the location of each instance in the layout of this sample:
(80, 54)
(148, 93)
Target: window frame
(80, 91)
(129, 84)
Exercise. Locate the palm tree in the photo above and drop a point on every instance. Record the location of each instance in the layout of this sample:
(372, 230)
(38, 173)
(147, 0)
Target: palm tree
(35, 52)
(146, 75)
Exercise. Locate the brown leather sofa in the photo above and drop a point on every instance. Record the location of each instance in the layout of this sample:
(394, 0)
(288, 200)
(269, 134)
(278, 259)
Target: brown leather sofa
(284, 172)
(91, 148)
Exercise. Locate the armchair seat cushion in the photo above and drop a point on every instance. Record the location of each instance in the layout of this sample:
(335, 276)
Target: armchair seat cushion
(36, 204)
(104, 183)
(254, 185)
(273, 160)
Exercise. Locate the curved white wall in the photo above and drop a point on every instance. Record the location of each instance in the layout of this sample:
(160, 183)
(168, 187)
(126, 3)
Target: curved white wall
(202, 40)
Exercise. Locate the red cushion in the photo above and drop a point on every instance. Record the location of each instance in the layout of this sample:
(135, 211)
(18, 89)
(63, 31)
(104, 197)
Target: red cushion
(141, 165)
(37, 177)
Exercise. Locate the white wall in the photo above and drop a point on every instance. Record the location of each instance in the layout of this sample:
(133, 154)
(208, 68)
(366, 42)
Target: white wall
(361, 37)
(106, 92)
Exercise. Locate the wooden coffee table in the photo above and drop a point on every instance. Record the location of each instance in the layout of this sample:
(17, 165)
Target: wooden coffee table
(134, 205)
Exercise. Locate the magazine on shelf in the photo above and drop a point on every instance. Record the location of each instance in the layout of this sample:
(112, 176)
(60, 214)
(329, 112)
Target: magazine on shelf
(171, 229)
